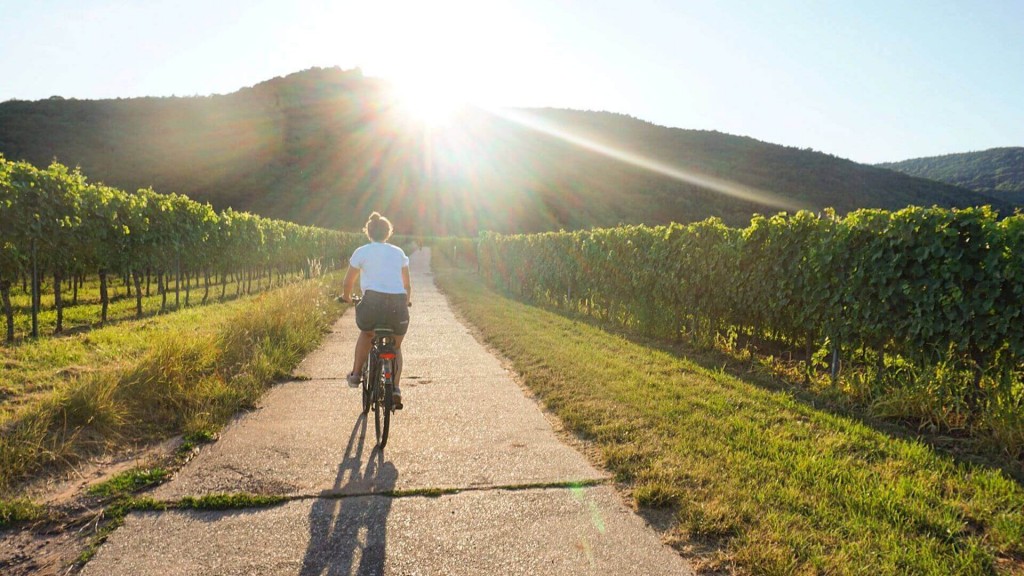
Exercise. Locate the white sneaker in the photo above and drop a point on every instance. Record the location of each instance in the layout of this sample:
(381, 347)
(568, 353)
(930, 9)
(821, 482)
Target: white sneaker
(353, 379)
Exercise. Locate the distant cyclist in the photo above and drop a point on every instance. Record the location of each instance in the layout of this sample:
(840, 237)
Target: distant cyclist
(383, 271)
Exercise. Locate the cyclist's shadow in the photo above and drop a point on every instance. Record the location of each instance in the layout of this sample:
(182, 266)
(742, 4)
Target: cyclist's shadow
(351, 531)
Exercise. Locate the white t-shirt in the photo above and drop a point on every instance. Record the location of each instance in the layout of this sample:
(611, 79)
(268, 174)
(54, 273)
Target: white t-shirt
(380, 265)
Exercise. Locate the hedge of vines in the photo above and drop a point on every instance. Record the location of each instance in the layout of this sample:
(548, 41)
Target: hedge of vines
(53, 222)
(925, 285)
(458, 251)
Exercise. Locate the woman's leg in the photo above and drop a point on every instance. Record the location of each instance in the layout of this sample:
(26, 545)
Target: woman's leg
(398, 359)
(363, 344)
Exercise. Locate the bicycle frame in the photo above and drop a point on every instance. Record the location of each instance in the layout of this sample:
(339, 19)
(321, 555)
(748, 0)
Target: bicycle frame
(378, 379)
(378, 382)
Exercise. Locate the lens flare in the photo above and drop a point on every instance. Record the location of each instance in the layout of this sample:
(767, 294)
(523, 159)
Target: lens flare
(712, 183)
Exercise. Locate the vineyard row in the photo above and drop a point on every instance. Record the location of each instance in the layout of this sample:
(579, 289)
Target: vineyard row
(925, 285)
(55, 223)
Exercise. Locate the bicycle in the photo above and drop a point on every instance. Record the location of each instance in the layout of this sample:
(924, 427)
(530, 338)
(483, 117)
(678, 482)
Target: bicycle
(378, 380)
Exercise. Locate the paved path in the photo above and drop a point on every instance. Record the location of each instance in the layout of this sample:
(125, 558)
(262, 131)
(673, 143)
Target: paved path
(516, 500)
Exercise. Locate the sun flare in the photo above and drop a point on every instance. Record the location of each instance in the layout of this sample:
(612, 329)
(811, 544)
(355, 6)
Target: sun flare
(432, 105)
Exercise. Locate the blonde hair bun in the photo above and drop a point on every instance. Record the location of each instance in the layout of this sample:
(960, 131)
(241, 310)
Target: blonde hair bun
(378, 228)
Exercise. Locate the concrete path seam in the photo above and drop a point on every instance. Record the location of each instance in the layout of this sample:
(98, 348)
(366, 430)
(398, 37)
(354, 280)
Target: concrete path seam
(407, 493)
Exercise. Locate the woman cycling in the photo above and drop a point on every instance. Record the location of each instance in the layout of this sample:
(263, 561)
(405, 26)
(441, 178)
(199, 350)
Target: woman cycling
(383, 271)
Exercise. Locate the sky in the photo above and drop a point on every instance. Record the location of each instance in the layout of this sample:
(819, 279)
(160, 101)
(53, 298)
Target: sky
(872, 81)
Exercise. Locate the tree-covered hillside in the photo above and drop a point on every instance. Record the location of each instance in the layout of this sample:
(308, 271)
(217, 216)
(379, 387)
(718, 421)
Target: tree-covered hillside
(998, 172)
(327, 146)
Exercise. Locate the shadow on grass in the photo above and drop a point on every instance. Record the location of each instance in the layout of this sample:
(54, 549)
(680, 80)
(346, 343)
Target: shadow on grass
(961, 448)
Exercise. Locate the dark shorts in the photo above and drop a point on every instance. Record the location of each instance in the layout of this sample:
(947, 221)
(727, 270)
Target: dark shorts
(379, 310)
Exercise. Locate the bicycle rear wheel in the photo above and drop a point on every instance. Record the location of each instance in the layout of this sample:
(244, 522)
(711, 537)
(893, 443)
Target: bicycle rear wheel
(377, 407)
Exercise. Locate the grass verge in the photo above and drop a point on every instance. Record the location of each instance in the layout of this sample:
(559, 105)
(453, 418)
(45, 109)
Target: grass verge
(85, 314)
(19, 511)
(128, 482)
(235, 501)
(187, 375)
(783, 487)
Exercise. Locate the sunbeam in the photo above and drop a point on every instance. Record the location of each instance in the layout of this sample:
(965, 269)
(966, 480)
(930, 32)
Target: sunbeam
(712, 183)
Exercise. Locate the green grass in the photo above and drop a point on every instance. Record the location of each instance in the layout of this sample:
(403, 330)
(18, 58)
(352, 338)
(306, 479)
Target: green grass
(37, 367)
(424, 492)
(781, 486)
(229, 501)
(129, 482)
(183, 373)
(19, 510)
(33, 366)
(193, 440)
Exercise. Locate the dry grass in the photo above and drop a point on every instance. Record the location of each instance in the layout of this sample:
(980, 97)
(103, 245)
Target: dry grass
(190, 374)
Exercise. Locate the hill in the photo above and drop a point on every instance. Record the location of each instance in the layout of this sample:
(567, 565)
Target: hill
(326, 146)
(998, 172)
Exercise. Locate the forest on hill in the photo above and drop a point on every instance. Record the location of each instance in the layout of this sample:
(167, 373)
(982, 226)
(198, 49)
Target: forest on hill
(998, 172)
(326, 146)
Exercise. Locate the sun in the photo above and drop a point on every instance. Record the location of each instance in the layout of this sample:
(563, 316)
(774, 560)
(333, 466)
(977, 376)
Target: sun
(432, 104)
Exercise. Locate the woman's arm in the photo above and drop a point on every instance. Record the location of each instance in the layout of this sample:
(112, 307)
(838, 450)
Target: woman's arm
(407, 283)
(349, 283)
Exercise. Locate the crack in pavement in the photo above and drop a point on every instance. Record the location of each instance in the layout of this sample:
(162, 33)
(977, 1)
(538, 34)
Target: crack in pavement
(435, 492)
(157, 505)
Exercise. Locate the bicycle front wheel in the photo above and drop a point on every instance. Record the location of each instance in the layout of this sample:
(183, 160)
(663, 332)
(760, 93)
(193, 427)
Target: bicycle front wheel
(367, 383)
(378, 407)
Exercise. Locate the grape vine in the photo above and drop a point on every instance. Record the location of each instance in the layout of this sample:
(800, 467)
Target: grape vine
(54, 223)
(925, 285)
